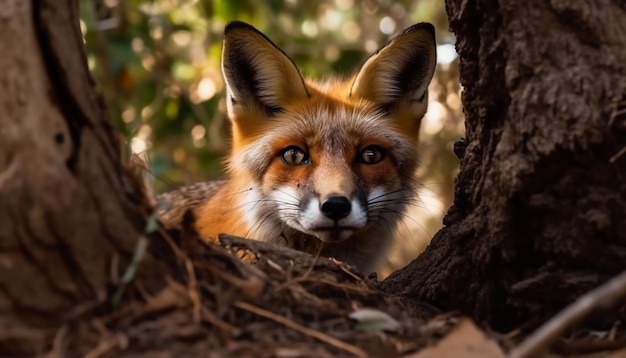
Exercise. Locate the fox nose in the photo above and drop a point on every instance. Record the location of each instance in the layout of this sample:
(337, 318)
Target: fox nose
(336, 207)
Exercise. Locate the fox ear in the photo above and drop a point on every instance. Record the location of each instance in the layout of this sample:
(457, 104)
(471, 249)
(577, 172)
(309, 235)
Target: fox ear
(398, 74)
(256, 72)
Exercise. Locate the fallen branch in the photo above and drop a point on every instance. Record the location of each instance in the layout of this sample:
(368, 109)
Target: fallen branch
(603, 297)
(302, 329)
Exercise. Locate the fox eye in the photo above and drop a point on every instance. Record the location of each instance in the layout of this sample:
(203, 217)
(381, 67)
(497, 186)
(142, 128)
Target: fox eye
(294, 156)
(371, 154)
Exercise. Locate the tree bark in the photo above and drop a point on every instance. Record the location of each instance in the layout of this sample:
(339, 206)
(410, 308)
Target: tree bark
(70, 214)
(538, 215)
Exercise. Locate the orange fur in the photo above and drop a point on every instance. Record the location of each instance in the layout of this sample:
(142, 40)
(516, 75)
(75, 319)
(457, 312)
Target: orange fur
(357, 138)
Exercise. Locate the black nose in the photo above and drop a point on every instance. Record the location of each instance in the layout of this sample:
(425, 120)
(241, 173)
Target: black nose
(336, 207)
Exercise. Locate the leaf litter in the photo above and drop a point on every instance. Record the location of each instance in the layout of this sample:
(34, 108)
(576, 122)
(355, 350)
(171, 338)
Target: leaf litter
(243, 298)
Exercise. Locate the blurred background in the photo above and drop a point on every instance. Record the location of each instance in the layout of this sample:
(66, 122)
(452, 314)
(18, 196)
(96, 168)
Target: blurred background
(157, 64)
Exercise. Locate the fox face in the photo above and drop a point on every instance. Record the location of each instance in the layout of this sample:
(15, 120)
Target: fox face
(330, 160)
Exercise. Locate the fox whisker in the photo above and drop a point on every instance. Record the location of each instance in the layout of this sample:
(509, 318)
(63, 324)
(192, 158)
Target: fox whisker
(303, 173)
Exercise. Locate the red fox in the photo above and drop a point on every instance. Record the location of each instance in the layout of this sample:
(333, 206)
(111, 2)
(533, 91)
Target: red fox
(317, 165)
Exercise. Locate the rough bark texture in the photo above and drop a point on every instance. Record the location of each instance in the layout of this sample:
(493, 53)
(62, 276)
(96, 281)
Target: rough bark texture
(70, 215)
(538, 216)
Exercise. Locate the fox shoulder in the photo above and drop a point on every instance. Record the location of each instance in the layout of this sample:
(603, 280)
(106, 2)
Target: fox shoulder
(173, 205)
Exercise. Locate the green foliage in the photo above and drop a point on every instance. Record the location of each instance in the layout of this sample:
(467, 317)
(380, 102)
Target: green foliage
(157, 64)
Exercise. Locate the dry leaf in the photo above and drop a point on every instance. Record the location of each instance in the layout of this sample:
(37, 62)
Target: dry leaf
(465, 341)
(371, 320)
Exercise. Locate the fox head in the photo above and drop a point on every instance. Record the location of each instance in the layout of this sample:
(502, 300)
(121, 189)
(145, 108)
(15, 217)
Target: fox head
(332, 159)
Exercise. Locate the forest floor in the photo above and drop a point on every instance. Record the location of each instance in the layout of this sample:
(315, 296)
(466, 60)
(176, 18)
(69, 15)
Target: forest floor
(278, 302)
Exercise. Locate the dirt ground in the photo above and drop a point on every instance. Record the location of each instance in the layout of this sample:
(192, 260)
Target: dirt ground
(285, 303)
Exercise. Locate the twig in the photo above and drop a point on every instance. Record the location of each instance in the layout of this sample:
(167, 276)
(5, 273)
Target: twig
(192, 289)
(346, 287)
(584, 346)
(302, 329)
(602, 297)
(129, 274)
(213, 319)
(290, 281)
(106, 346)
(616, 111)
(9, 172)
(616, 156)
(315, 259)
(58, 344)
(345, 269)
(180, 254)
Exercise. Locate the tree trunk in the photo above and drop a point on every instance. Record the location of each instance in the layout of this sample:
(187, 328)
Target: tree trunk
(538, 216)
(70, 214)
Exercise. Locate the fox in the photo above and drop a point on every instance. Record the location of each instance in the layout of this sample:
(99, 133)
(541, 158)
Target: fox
(322, 166)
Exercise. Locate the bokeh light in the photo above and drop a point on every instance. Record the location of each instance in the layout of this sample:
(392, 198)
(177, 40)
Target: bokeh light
(157, 64)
